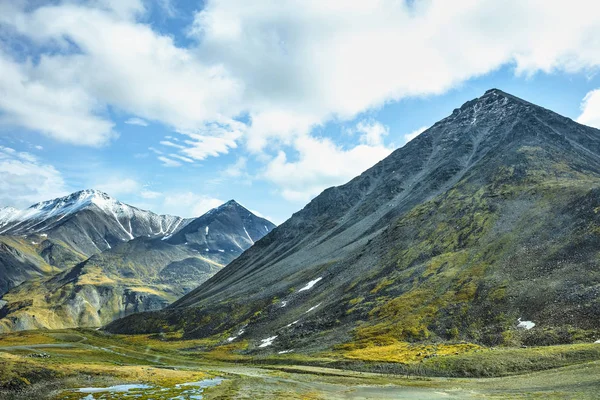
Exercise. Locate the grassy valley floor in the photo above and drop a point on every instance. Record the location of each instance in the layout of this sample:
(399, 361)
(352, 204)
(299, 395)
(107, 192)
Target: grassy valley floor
(69, 364)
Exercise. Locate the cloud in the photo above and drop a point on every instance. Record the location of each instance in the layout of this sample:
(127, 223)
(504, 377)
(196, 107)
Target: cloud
(590, 109)
(171, 144)
(149, 194)
(182, 158)
(94, 54)
(25, 180)
(283, 73)
(32, 101)
(211, 139)
(372, 132)
(410, 136)
(136, 121)
(188, 204)
(168, 162)
(237, 169)
(320, 164)
(118, 187)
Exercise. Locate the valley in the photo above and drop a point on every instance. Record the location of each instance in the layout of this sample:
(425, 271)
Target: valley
(64, 364)
(463, 265)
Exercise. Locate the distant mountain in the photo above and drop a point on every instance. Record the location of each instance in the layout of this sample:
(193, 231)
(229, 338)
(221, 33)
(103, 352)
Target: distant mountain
(55, 235)
(89, 221)
(228, 228)
(487, 219)
(145, 273)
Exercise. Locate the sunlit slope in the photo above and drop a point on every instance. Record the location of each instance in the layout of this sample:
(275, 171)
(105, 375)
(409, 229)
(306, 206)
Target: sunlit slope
(488, 217)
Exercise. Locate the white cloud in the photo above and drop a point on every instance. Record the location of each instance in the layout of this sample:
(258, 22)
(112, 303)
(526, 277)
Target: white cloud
(136, 121)
(182, 158)
(150, 194)
(38, 147)
(168, 162)
(189, 204)
(66, 113)
(410, 136)
(25, 180)
(372, 132)
(285, 72)
(211, 139)
(590, 109)
(155, 151)
(171, 144)
(320, 164)
(117, 187)
(237, 169)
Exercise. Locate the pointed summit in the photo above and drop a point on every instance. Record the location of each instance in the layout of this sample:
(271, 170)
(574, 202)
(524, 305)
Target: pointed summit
(232, 220)
(486, 217)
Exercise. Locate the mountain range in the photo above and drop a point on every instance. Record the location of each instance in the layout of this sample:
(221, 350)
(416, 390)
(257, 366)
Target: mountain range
(85, 259)
(484, 228)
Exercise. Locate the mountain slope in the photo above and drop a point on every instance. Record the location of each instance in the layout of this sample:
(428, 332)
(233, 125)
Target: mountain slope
(145, 273)
(489, 216)
(55, 235)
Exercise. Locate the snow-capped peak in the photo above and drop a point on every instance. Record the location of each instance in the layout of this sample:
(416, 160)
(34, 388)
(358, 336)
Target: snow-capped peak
(7, 214)
(45, 215)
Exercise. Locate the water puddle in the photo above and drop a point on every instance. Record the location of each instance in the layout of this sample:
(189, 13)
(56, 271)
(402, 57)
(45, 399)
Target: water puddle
(182, 391)
(113, 389)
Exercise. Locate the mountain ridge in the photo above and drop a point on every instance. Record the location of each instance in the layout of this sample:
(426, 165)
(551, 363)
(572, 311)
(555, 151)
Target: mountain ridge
(422, 245)
(143, 273)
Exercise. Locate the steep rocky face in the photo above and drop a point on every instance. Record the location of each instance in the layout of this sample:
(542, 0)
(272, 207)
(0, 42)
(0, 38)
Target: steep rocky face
(228, 228)
(33, 257)
(487, 217)
(146, 273)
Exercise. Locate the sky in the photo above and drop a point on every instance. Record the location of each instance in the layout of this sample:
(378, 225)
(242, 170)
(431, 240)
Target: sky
(179, 106)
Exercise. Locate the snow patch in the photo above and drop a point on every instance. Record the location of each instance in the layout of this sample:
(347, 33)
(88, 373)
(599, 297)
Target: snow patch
(239, 333)
(310, 284)
(206, 230)
(222, 251)
(313, 308)
(597, 341)
(525, 324)
(268, 341)
(283, 304)
(247, 234)
(292, 323)
(285, 351)
(44, 235)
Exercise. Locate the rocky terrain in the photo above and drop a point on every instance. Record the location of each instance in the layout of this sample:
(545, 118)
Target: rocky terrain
(167, 257)
(57, 234)
(485, 228)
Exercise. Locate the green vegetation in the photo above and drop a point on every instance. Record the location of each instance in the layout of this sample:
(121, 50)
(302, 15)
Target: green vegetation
(52, 364)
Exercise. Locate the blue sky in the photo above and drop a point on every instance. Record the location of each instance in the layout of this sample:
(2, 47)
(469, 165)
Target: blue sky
(177, 106)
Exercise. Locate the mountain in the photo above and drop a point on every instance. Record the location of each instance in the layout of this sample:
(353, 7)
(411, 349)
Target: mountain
(89, 221)
(57, 234)
(144, 273)
(483, 226)
(234, 228)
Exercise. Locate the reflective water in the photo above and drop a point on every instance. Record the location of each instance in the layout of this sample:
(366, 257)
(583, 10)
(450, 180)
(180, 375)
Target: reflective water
(183, 391)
